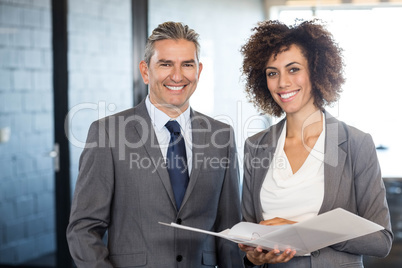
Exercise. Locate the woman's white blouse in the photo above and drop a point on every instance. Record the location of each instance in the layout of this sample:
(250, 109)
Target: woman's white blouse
(298, 196)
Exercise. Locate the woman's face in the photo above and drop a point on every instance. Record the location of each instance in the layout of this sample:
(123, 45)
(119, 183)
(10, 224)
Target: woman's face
(288, 81)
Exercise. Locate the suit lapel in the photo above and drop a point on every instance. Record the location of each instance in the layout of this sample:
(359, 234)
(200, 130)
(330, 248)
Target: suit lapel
(143, 126)
(264, 153)
(334, 160)
(198, 138)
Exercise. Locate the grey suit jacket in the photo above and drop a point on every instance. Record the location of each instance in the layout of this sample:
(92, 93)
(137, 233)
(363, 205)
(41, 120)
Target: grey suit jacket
(352, 181)
(124, 187)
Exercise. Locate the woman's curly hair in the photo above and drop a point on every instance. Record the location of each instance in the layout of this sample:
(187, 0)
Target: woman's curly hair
(323, 55)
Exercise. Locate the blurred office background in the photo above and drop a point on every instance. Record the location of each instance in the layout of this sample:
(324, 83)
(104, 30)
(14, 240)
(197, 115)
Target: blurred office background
(66, 63)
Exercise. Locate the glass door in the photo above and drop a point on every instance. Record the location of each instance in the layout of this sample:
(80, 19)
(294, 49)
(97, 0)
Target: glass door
(27, 188)
(33, 205)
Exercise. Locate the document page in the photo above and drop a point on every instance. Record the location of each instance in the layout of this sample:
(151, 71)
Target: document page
(326, 229)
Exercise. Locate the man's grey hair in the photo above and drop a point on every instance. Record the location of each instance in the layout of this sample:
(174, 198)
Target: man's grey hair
(170, 30)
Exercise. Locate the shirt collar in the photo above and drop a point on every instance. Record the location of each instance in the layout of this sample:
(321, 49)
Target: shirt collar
(159, 118)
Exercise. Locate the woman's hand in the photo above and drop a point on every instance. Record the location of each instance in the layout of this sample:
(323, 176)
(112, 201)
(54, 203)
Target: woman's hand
(277, 221)
(258, 256)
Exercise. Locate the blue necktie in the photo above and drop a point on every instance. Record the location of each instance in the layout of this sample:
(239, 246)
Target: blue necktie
(176, 161)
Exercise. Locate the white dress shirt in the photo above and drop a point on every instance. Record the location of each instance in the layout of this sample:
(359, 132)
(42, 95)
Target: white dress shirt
(159, 119)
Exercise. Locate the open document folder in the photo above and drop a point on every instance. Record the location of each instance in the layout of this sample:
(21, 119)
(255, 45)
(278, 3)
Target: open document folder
(321, 231)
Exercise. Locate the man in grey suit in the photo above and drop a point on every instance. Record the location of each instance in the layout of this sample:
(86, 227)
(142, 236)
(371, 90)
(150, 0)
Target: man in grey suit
(124, 185)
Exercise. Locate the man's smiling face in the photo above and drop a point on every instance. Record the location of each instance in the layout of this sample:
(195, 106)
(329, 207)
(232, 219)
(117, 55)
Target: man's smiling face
(172, 75)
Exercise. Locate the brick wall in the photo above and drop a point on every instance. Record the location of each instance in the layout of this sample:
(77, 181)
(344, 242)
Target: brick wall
(26, 107)
(100, 77)
(100, 66)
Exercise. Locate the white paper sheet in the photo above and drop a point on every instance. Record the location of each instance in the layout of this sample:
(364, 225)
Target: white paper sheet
(326, 229)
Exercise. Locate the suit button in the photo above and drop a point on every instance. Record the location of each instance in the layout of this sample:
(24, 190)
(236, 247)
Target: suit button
(315, 253)
(178, 221)
(179, 258)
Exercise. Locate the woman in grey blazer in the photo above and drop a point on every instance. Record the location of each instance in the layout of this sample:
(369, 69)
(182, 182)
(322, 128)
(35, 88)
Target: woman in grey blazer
(309, 163)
